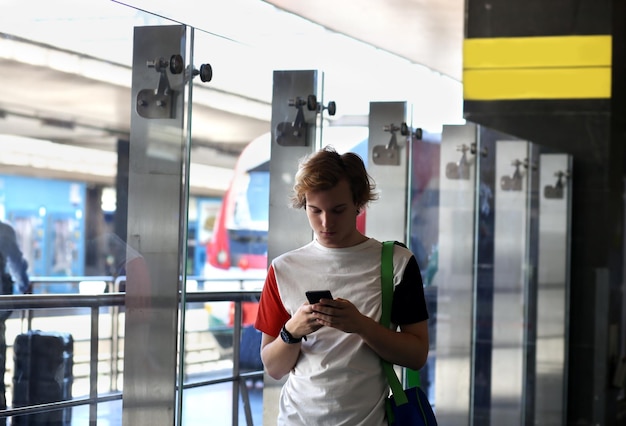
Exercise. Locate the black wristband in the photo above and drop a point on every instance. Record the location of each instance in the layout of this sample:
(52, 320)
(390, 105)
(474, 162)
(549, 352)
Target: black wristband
(288, 338)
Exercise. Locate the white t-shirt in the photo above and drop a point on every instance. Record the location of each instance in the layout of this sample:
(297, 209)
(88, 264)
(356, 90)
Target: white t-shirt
(338, 379)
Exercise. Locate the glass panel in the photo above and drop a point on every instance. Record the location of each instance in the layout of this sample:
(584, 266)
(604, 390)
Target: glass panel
(228, 207)
(64, 191)
(237, 247)
(68, 208)
(423, 240)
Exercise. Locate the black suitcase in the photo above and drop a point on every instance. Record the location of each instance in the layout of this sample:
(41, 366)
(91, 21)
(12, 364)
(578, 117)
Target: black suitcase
(43, 373)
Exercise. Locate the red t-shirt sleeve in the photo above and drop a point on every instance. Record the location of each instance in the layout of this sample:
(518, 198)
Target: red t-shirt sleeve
(272, 314)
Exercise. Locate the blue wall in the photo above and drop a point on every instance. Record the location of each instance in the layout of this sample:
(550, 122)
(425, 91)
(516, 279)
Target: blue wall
(48, 217)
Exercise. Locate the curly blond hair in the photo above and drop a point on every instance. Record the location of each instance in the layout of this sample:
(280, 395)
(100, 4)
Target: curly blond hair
(323, 169)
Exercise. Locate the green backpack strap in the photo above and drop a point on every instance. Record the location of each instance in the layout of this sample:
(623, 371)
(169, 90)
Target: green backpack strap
(412, 376)
(386, 265)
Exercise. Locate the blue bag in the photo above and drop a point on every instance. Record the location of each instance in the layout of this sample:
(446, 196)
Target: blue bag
(416, 411)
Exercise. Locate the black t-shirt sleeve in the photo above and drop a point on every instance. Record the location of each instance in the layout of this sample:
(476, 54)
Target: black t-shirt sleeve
(409, 303)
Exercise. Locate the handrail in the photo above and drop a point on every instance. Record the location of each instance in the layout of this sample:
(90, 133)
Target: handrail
(95, 301)
(42, 301)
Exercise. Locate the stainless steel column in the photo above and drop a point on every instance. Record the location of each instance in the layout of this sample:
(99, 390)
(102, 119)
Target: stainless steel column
(289, 228)
(154, 218)
(501, 335)
(553, 289)
(292, 139)
(455, 276)
(387, 163)
(510, 283)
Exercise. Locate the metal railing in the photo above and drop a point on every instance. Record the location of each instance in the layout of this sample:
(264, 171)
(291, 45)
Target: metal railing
(29, 304)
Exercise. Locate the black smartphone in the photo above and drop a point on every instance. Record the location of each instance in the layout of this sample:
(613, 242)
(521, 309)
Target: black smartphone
(315, 296)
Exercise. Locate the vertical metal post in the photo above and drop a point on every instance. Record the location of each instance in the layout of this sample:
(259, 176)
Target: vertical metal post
(553, 289)
(93, 365)
(455, 276)
(114, 350)
(387, 163)
(236, 384)
(154, 217)
(288, 228)
(510, 282)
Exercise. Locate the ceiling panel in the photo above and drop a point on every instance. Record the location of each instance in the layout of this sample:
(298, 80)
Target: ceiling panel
(48, 51)
(427, 32)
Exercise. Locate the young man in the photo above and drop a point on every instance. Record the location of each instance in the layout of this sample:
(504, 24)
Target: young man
(331, 350)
